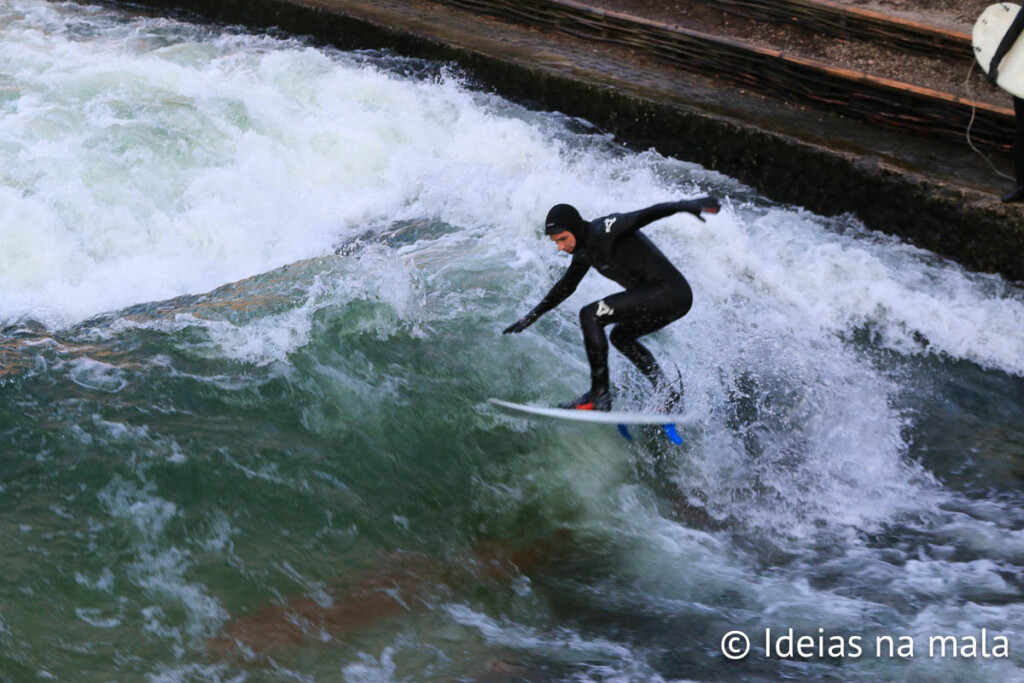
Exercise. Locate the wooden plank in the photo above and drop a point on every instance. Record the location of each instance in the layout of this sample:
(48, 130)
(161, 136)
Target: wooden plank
(853, 22)
(856, 94)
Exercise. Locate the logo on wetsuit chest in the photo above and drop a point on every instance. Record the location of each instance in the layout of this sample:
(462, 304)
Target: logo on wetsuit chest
(608, 223)
(604, 309)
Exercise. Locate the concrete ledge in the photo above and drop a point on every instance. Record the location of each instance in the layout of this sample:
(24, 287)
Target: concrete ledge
(930, 194)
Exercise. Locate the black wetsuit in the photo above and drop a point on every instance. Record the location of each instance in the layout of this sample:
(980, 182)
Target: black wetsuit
(1007, 42)
(656, 292)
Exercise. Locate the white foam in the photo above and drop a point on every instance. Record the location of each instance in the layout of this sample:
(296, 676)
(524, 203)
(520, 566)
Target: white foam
(819, 280)
(152, 178)
(104, 582)
(161, 569)
(597, 656)
(371, 669)
(144, 164)
(95, 617)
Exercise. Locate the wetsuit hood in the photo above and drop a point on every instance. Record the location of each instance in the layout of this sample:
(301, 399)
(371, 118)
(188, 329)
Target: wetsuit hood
(562, 218)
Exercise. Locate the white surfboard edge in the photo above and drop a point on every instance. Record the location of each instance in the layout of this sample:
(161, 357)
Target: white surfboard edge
(593, 416)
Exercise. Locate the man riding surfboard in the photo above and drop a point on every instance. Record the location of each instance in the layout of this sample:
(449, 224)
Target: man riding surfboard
(656, 293)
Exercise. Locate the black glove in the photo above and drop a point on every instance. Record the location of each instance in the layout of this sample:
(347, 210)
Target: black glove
(521, 324)
(701, 205)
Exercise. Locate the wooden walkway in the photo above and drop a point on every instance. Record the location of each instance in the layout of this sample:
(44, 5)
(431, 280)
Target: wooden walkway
(882, 101)
(844, 21)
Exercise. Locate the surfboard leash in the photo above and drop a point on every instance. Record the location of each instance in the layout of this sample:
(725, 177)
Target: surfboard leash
(974, 111)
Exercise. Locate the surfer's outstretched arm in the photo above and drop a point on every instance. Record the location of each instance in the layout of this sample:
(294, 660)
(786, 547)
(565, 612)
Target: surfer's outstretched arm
(559, 293)
(628, 223)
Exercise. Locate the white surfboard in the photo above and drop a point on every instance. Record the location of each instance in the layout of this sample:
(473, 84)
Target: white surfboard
(594, 416)
(620, 419)
(988, 32)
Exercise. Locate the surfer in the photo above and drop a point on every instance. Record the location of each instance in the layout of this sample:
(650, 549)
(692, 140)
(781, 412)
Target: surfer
(656, 292)
(1009, 38)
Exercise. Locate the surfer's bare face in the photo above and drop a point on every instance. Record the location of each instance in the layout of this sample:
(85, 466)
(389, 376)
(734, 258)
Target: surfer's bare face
(565, 240)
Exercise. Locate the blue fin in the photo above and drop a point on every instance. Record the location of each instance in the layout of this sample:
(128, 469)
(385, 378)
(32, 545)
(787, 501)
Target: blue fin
(673, 434)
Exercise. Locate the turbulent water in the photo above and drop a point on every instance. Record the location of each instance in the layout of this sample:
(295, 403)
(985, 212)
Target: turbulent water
(251, 295)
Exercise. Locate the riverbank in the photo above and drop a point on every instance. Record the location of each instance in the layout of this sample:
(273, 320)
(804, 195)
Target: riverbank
(938, 194)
